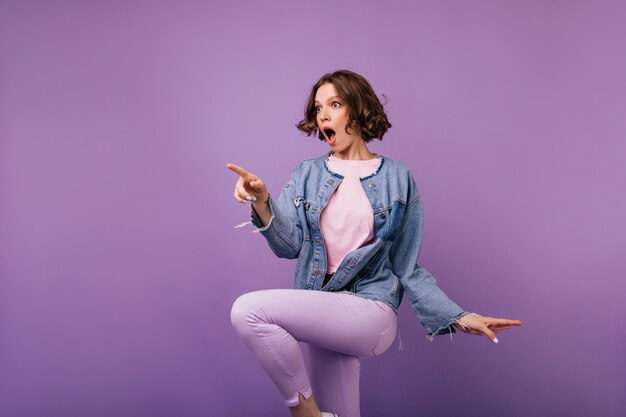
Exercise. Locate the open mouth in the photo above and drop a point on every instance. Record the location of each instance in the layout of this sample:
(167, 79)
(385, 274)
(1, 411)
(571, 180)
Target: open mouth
(330, 135)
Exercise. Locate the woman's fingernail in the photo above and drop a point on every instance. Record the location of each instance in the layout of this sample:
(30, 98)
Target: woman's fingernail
(495, 340)
(253, 199)
(248, 198)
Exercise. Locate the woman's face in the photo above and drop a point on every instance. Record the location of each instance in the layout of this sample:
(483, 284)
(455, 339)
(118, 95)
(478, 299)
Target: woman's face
(332, 118)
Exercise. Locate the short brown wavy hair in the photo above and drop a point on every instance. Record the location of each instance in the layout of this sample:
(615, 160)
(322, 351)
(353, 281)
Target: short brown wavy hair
(365, 111)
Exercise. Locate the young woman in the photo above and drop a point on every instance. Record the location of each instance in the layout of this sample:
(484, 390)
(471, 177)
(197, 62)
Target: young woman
(354, 221)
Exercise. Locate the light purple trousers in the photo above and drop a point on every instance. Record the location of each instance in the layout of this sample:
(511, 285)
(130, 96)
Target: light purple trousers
(338, 327)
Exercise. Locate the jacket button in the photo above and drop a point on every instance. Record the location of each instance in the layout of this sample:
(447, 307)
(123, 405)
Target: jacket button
(372, 185)
(351, 264)
(317, 272)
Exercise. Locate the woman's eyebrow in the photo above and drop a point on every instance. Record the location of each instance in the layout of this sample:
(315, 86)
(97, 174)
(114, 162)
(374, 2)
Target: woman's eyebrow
(329, 99)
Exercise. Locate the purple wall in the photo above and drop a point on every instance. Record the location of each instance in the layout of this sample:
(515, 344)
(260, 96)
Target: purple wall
(118, 259)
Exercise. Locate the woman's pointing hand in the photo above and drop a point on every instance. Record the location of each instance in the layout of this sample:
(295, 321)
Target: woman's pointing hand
(487, 326)
(249, 187)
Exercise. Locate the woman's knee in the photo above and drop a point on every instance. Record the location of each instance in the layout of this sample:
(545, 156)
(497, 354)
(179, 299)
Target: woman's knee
(239, 311)
(244, 312)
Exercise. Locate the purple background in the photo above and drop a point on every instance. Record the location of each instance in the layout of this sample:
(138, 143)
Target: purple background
(118, 259)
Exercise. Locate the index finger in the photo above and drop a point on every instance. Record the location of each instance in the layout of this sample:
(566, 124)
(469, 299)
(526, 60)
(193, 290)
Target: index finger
(504, 322)
(240, 171)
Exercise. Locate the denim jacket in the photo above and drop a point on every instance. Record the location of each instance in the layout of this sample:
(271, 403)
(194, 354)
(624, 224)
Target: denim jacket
(382, 270)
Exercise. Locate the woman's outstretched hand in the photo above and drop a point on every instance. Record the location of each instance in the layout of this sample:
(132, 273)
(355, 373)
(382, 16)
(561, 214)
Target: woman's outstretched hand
(478, 325)
(251, 188)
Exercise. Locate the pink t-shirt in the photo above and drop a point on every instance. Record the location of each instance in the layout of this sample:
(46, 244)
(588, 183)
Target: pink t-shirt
(347, 221)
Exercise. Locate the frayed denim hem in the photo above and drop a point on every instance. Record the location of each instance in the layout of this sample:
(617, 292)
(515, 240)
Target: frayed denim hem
(256, 228)
(446, 328)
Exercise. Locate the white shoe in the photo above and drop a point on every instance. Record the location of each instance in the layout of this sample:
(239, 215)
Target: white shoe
(329, 415)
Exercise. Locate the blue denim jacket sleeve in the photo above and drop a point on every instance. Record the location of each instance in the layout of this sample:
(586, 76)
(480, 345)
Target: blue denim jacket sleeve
(283, 231)
(434, 309)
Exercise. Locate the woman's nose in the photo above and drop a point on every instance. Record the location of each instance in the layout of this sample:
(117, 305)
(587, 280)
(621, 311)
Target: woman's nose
(323, 115)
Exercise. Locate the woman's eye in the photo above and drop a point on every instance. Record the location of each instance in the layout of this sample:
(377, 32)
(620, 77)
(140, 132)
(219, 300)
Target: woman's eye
(336, 104)
(317, 109)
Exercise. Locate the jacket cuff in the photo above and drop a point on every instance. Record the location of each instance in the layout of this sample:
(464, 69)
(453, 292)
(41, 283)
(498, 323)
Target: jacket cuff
(256, 220)
(446, 328)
